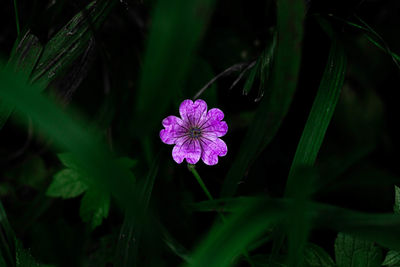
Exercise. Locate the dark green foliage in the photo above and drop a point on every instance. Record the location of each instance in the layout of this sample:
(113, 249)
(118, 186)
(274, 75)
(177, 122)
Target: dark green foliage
(308, 96)
(352, 252)
(274, 106)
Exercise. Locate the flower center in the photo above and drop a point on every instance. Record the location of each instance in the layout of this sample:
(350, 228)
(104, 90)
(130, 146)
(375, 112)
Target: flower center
(195, 132)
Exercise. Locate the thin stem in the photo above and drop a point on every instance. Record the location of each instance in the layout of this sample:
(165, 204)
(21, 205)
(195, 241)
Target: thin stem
(200, 181)
(196, 175)
(16, 17)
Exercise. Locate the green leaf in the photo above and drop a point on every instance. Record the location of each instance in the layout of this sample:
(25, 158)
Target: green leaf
(45, 64)
(94, 207)
(227, 240)
(383, 229)
(320, 114)
(274, 106)
(71, 41)
(67, 183)
(356, 252)
(71, 134)
(392, 258)
(135, 217)
(250, 79)
(25, 53)
(24, 56)
(176, 29)
(315, 256)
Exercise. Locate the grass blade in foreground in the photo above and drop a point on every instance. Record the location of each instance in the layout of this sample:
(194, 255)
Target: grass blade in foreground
(274, 106)
(177, 26)
(227, 240)
(320, 114)
(126, 254)
(104, 172)
(24, 56)
(383, 228)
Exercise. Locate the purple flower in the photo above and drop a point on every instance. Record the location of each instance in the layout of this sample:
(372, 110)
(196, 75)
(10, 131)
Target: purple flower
(196, 134)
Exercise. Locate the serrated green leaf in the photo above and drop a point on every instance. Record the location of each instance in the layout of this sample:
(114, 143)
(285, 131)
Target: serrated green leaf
(315, 256)
(392, 258)
(94, 207)
(71, 134)
(273, 107)
(355, 252)
(67, 183)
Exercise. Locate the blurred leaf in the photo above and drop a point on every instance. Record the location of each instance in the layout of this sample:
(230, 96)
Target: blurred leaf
(176, 28)
(24, 56)
(70, 134)
(315, 256)
(94, 207)
(392, 259)
(135, 216)
(67, 183)
(275, 105)
(354, 252)
(381, 228)
(227, 240)
(23, 257)
(320, 114)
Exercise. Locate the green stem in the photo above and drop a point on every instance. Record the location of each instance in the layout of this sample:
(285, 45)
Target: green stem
(16, 17)
(196, 175)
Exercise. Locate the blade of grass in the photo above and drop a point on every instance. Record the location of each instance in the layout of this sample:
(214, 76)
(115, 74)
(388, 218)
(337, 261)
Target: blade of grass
(226, 241)
(16, 17)
(129, 238)
(70, 134)
(177, 26)
(383, 228)
(373, 36)
(71, 41)
(320, 114)
(46, 64)
(275, 105)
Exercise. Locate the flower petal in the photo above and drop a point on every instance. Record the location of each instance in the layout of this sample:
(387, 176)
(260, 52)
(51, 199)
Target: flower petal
(214, 126)
(193, 113)
(173, 130)
(212, 149)
(186, 148)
